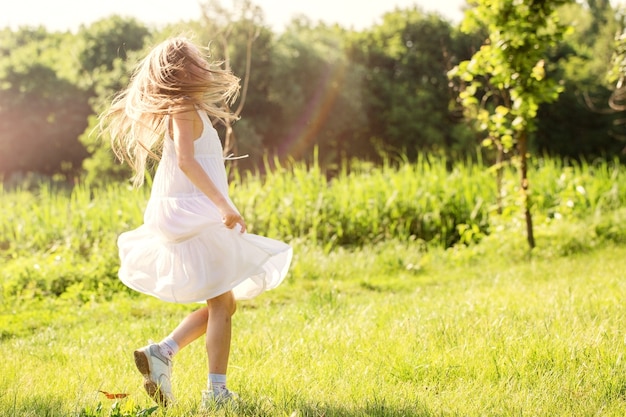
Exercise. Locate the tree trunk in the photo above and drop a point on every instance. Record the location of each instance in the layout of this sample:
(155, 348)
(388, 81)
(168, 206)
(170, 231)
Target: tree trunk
(523, 148)
(499, 174)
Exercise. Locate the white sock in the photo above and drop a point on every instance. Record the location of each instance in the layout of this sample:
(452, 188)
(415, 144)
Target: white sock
(216, 383)
(168, 347)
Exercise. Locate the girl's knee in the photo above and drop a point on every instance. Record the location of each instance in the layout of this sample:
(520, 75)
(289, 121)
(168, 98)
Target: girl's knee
(225, 302)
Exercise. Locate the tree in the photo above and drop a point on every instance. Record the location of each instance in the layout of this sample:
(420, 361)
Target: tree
(108, 49)
(317, 94)
(579, 125)
(106, 41)
(506, 79)
(41, 113)
(101, 165)
(406, 91)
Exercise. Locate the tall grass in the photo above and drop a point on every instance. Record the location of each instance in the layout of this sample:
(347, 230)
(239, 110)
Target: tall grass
(577, 189)
(424, 200)
(52, 239)
(50, 218)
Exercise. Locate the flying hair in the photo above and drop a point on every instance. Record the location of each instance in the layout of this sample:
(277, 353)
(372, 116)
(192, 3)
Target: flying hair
(176, 76)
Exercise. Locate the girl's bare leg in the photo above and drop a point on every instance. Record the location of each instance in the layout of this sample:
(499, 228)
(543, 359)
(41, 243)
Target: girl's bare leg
(218, 331)
(192, 327)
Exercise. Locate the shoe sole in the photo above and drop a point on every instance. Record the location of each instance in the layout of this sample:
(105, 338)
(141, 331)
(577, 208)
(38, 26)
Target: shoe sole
(152, 388)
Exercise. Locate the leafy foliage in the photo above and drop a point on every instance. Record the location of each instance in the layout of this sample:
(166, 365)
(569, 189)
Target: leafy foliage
(509, 70)
(580, 124)
(108, 49)
(407, 98)
(41, 113)
(346, 93)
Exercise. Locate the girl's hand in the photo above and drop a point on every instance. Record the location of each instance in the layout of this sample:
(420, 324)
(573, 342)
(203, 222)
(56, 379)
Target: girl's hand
(231, 218)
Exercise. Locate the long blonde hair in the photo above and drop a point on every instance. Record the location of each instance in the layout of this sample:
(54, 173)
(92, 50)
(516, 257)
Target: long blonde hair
(174, 77)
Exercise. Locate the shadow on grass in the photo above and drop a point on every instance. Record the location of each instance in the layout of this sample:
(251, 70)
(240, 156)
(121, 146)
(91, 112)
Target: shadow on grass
(306, 409)
(373, 411)
(365, 411)
(46, 406)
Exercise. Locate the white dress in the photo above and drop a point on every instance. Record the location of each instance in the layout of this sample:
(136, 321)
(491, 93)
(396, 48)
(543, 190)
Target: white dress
(183, 252)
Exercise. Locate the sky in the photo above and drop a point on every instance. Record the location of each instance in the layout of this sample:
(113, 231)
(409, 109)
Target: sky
(62, 15)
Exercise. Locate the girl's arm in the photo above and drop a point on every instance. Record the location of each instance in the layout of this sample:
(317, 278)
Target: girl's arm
(184, 135)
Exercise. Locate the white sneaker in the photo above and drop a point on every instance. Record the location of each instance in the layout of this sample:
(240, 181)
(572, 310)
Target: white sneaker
(210, 399)
(156, 370)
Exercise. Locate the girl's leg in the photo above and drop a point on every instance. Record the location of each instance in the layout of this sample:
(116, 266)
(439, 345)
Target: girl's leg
(155, 360)
(218, 331)
(192, 327)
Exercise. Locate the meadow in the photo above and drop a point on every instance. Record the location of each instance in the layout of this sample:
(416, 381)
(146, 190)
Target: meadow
(409, 295)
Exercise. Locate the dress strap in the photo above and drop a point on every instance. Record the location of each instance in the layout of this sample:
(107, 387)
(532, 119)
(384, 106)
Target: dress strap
(232, 157)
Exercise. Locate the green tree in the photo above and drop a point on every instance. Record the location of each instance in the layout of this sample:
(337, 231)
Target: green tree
(509, 71)
(579, 124)
(101, 166)
(407, 94)
(41, 113)
(107, 51)
(616, 74)
(316, 92)
(106, 41)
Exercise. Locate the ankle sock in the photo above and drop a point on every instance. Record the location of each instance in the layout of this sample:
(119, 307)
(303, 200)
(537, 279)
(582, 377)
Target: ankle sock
(168, 347)
(216, 383)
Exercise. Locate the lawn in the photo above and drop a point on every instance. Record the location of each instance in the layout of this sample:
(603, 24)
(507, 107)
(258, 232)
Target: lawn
(386, 330)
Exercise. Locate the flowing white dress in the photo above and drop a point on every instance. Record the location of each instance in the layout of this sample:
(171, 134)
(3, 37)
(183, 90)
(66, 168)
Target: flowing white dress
(183, 252)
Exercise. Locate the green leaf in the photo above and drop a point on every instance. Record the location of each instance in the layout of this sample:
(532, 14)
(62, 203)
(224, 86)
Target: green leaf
(501, 110)
(507, 141)
(518, 121)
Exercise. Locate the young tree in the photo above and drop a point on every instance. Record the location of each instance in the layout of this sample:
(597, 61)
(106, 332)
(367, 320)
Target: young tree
(506, 79)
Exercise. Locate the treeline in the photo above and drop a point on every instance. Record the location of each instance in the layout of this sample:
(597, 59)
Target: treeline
(345, 93)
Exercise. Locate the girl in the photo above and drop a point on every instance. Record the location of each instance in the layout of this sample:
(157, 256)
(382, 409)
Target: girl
(193, 245)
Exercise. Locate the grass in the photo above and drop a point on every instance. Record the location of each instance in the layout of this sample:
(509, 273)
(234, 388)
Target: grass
(54, 239)
(388, 330)
(383, 312)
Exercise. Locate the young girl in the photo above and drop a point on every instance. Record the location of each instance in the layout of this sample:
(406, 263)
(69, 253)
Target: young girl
(193, 245)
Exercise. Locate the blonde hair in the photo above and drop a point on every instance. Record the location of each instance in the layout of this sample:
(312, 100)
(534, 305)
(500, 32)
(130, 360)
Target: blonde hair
(174, 77)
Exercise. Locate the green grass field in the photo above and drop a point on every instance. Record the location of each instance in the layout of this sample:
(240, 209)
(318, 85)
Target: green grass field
(384, 331)
(409, 295)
